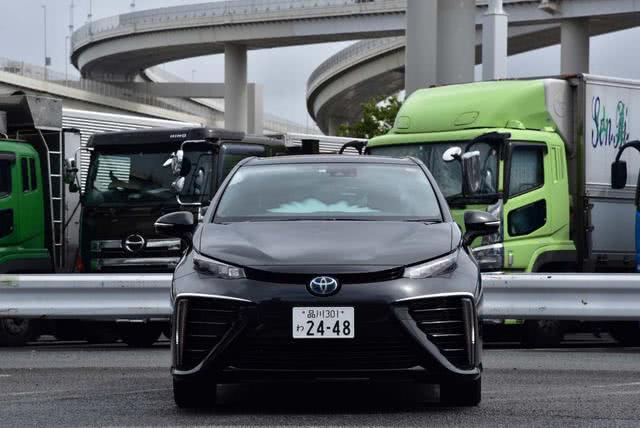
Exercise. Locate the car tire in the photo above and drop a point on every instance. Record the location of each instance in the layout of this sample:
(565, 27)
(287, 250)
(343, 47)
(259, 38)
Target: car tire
(467, 394)
(190, 394)
(16, 331)
(140, 335)
(542, 333)
(626, 333)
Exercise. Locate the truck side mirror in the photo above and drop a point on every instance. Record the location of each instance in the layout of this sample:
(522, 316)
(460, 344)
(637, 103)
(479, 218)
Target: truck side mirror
(619, 174)
(178, 185)
(471, 172)
(70, 175)
(178, 224)
(175, 162)
(479, 223)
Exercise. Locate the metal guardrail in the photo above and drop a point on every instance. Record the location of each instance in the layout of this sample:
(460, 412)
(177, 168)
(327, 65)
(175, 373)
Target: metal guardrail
(585, 297)
(85, 296)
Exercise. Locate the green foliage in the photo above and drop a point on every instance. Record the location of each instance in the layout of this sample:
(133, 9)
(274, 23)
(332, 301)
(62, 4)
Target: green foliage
(378, 116)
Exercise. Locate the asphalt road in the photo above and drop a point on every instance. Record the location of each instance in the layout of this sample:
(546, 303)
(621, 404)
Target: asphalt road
(81, 385)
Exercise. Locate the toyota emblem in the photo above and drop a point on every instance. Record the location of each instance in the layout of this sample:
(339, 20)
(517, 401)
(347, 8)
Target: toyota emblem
(323, 286)
(134, 243)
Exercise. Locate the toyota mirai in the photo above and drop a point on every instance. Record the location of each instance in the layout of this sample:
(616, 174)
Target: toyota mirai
(326, 267)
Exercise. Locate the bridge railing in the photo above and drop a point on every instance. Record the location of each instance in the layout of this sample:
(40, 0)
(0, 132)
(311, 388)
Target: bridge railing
(235, 11)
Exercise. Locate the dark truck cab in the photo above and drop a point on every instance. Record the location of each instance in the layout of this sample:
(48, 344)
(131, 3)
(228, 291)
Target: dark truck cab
(131, 181)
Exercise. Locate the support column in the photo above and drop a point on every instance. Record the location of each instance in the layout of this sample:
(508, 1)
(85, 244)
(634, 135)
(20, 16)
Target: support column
(456, 40)
(421, 49)
(235, 91)
(574, 49)
(494, 42)
(255, 111)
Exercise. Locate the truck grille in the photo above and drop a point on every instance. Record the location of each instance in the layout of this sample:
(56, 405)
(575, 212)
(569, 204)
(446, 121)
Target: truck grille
(380, 343)
(447, 323)
(203, 322)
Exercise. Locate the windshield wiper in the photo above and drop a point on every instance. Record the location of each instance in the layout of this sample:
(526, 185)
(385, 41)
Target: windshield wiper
(424, 220)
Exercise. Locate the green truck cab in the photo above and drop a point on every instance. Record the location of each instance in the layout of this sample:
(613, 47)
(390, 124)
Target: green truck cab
(537, 154)
(22, 237)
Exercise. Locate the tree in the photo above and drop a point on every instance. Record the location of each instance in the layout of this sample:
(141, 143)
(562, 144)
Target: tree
(378, 115)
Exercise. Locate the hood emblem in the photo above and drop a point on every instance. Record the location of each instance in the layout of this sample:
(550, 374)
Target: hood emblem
(134, 243)
(323, 286)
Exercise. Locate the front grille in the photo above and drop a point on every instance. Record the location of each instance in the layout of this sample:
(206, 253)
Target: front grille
(343, 278)
(204, 322)
(445, 321)
(380, 343)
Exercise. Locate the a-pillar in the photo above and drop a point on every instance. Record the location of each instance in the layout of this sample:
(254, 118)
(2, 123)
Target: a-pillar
(235, 90)
(456, 40)
(494, 42)
(574, 51)
(422, 45)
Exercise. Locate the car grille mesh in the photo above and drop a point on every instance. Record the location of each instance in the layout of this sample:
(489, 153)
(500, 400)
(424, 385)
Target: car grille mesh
(380, 343)
(343, 278)
(204, 324)
(445, 323)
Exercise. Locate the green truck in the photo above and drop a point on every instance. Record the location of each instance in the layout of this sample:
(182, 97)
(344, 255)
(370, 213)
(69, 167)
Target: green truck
(537, 154)
(54, 220)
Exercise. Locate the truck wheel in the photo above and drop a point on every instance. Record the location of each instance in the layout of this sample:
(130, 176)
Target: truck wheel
(465, 394)
(194, 394)
(626, 333)
(16, 331)
(542, 333)
(100, 332)
(140, 335)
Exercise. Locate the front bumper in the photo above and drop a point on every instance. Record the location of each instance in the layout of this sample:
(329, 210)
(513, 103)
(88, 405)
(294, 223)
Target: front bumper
(232, 339)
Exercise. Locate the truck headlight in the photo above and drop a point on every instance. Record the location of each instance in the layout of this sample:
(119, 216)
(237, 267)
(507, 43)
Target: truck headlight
(215, 268)
(490, 257)
(432, 267)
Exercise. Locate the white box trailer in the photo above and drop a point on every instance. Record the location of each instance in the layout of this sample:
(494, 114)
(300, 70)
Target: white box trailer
(604, 121)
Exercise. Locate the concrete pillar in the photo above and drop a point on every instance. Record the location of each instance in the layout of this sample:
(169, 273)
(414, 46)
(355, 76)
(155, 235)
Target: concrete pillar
(421, 50)
(255, 110)
(235, 91)
(456, 41)
(494, 42)
(574, 51)
(334, 125)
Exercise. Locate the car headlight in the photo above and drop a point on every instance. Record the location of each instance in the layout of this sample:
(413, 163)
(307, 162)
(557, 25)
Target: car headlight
(490, 257)
(432, 267)
(215, 268)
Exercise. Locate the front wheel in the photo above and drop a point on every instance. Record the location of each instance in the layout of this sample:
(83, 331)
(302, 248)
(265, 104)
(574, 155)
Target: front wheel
(140, 335)
(626, 333)
(467, 394)
(16, 331)
(192, 394)
(542, 333)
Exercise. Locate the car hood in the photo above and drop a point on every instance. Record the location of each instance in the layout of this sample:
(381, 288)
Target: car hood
(353, 245)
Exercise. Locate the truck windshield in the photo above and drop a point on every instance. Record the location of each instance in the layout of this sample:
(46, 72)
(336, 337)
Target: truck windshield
(448, 175)
(329, 191)
(126, 177)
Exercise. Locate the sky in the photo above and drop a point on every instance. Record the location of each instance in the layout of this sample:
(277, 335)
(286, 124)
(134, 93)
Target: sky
(282, 71)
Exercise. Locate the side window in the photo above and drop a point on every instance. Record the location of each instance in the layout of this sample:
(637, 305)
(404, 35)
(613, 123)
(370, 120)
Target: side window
(527, 169)
(5, 178)
(528, 219)
(32, 171)
(25, 174)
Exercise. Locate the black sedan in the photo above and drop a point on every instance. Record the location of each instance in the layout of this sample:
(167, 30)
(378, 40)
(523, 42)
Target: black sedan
(327, 267)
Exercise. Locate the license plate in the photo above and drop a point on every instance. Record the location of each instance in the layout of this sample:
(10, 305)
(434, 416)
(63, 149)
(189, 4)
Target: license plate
(323, 323)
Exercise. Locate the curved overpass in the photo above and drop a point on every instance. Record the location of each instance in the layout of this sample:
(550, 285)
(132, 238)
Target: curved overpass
(339, 86)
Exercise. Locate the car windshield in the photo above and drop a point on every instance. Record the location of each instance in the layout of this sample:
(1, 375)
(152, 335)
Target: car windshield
(125, 177)
(329, 191)
(448, 175)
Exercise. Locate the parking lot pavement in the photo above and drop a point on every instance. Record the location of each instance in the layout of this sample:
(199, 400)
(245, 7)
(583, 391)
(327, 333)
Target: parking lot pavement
(81, 385)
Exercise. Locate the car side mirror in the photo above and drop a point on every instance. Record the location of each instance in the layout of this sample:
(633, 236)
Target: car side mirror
(619, 174)
(178, 224)
(471, 172)
(479, 223)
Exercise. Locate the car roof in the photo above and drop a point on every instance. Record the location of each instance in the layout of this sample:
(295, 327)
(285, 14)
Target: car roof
(307, 159)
